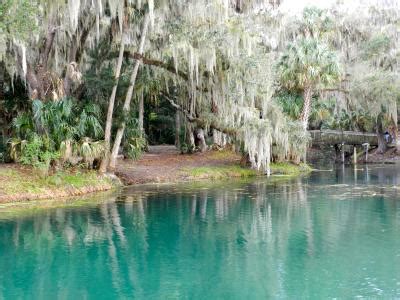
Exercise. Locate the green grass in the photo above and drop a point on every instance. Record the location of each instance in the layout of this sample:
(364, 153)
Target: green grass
(212, 172)
(16, 181)
(289, 169)
(223, 155)
(77, 180)
(221, 172)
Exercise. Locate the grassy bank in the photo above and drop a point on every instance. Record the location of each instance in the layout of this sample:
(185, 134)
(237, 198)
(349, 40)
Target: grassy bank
(289, 169)
(211, 172)
(20, 184)
(229, 171)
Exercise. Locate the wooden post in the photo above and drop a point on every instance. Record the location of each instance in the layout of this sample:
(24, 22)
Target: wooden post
(355, 174)
(355, 155)
(343, 153)
(366, 147)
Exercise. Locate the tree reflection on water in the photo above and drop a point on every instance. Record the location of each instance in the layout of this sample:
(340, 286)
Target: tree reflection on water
(238, 238)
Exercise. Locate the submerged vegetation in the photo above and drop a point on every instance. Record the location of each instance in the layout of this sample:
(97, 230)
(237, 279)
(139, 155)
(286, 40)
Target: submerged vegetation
(91, 80)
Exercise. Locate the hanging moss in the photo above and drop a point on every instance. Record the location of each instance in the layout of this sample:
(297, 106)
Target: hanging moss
(215, 59)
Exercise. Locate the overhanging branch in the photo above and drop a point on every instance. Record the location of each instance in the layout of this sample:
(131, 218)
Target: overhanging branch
(157, 63)
(166, 66)
(200, 122)
(335, 90)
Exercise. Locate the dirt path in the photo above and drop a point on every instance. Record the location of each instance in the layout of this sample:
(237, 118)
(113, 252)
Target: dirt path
(165, 164)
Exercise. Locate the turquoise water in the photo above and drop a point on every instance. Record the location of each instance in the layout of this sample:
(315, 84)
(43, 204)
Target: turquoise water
(331, 235)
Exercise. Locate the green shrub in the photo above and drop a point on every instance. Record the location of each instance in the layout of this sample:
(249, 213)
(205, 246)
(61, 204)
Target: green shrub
(37, 153)
(135, 147)
(3, 150)
(44, 134)
(187, 149)
(135, 142)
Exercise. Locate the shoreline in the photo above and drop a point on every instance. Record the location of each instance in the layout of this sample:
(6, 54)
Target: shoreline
(23, 184)
(55, 194)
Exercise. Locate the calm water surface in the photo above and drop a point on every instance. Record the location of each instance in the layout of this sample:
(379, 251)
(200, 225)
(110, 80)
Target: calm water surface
(330, 235)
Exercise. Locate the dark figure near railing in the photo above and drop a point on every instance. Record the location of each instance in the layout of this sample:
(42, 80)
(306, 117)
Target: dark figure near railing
(388, 137)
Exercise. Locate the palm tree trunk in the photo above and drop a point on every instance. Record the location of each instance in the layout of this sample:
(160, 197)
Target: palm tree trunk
(2, 72)
(111, 102)
(305, 114)
(141, 113)
(177, 129)
(190, 135)
(127, 103)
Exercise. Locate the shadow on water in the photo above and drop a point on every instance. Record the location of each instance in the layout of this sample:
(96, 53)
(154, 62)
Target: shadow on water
(330, 234)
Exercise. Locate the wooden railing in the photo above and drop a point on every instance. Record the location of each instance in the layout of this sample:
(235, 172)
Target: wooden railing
(334, 137)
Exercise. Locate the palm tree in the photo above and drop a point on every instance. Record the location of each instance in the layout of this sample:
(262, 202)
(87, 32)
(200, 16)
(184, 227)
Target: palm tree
(110, 111)
(379, 93)
(308, 65)
(127, 102)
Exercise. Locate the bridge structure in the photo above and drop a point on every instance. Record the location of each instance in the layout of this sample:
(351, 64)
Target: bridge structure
(346, 143)
(338, 137)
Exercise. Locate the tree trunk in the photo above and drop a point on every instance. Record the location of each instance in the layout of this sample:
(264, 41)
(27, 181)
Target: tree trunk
(190, 135)
(201, 139)
(141, 113)
(111, 102)
(305, 114)
(219, 138)
(40, 78)
(382, 146)
(381, 143)
(177, 129)
(216, 137)
(238, 6)
(395, 136)
(397, 140)
(2, 72)
(127, 103)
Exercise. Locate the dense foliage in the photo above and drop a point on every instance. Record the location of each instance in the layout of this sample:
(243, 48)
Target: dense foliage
(105, 77)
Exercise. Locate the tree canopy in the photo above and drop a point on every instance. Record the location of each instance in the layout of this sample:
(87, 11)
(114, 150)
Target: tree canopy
(224, 66)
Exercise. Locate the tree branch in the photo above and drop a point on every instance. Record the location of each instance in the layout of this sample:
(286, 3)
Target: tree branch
(200, 122)
(83, 32)
(157, 63)
(48, 44)
(335, 90)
